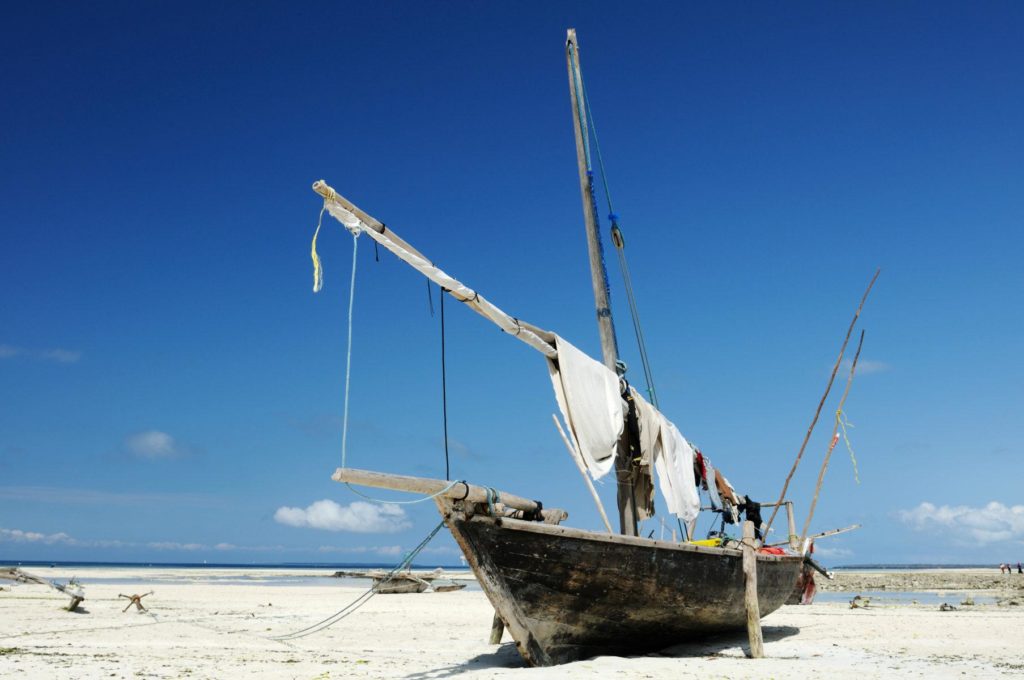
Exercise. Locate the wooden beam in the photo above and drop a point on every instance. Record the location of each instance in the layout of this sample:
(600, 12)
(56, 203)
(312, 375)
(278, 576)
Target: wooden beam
(575, 455)
(750, 592)
(497, 628)
(440, 487)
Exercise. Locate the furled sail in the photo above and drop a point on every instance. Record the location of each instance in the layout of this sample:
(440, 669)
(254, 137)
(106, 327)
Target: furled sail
(589, 397)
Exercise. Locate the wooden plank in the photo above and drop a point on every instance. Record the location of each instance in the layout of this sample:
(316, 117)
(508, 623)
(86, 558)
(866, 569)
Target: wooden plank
(750, 592)
(497, 628)
(455, 491)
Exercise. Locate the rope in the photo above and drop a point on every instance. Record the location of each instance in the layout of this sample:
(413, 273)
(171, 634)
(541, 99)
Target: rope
(348, 372)
(444, 395)
(619, 243)
(318, 270)
(348, 351)
(364, 597)
(844, 423)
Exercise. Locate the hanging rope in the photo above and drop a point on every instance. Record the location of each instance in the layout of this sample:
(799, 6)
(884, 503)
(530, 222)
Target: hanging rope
(364, 597)
(444, 394)
(318, 285)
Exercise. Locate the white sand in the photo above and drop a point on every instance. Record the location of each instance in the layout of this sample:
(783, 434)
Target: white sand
(216, 624)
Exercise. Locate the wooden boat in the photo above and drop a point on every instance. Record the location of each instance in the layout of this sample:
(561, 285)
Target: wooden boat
(563, 593)
(398, 584)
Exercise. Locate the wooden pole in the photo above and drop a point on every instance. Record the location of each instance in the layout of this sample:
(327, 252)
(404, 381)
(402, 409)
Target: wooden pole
(792, 538)
(583, 471)
(834, 440)
(828, 388)
(497, 628)
(456, 490)
(750, 592)
(626, 481)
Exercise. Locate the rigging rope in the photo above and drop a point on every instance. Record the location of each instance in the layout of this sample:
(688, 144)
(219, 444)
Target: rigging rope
(617, 239)
(317, 286)
(364, 597)
(444, 394)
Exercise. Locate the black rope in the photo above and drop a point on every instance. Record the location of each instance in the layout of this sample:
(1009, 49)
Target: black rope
(444, 393)
(430, 299)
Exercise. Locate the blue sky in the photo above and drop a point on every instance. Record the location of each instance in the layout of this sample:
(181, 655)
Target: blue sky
(169, 383)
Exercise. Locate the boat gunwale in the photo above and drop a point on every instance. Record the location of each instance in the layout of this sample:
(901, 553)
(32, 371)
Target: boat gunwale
(636, 541)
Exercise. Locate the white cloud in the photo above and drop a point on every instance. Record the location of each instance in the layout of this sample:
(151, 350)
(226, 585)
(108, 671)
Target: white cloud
(359, 517)
(831, 552)
(19, 536)
(62, 356)
(173, 545)
(363, 549)
(153, 445)
(992, 523)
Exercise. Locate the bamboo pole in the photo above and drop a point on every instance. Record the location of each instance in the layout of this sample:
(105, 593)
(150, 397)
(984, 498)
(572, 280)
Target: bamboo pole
(583, 471)
(828, 388)
(750, 592)
(834, 441)
(791, 539)
(441, 487)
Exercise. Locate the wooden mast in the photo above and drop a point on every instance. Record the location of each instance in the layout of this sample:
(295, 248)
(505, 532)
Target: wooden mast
(598, 274)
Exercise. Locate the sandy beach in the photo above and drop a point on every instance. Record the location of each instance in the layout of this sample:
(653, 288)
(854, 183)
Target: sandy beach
(219, 623)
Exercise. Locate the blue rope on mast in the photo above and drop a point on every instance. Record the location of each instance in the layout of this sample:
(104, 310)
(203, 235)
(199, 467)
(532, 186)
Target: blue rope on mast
(618, 240)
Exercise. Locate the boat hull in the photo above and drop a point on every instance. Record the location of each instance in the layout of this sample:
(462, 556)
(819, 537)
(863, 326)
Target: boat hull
(567, 594)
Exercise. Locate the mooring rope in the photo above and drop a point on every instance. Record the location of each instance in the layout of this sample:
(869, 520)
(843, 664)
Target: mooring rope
(362, 598)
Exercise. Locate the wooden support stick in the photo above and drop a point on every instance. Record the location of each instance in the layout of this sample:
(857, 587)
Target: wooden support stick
(834, 440)
(454, 490)
(828, 388)
(497, 628)
(793, 539)
(583, 471)
(750, 592)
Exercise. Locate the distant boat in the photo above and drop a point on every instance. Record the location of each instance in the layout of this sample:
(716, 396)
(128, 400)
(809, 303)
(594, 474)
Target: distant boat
(398, 583)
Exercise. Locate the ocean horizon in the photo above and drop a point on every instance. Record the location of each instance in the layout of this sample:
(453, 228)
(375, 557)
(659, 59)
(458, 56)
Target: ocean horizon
(390, 565)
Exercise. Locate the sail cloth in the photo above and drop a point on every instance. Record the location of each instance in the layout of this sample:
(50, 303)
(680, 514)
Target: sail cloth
(590, 401)
(672, 457)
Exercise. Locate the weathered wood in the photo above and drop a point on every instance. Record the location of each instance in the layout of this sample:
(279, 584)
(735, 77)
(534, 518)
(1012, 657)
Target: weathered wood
(134, 600)
(455, 491)
(624, 473)
(793, 539)
(497, 628)
(835, 438)
(576, 458)
(567, 594)
(750, 601)
(828, 388)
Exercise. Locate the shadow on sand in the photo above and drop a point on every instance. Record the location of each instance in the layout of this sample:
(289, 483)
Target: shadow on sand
(507, 656)
(719, 643)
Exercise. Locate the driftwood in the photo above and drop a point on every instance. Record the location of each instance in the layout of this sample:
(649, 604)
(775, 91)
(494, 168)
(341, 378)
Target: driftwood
(135, 600)
(72, 588)
(750, 592)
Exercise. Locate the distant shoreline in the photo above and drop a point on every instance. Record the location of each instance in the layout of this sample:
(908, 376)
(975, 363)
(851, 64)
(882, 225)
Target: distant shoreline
(221, 565)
